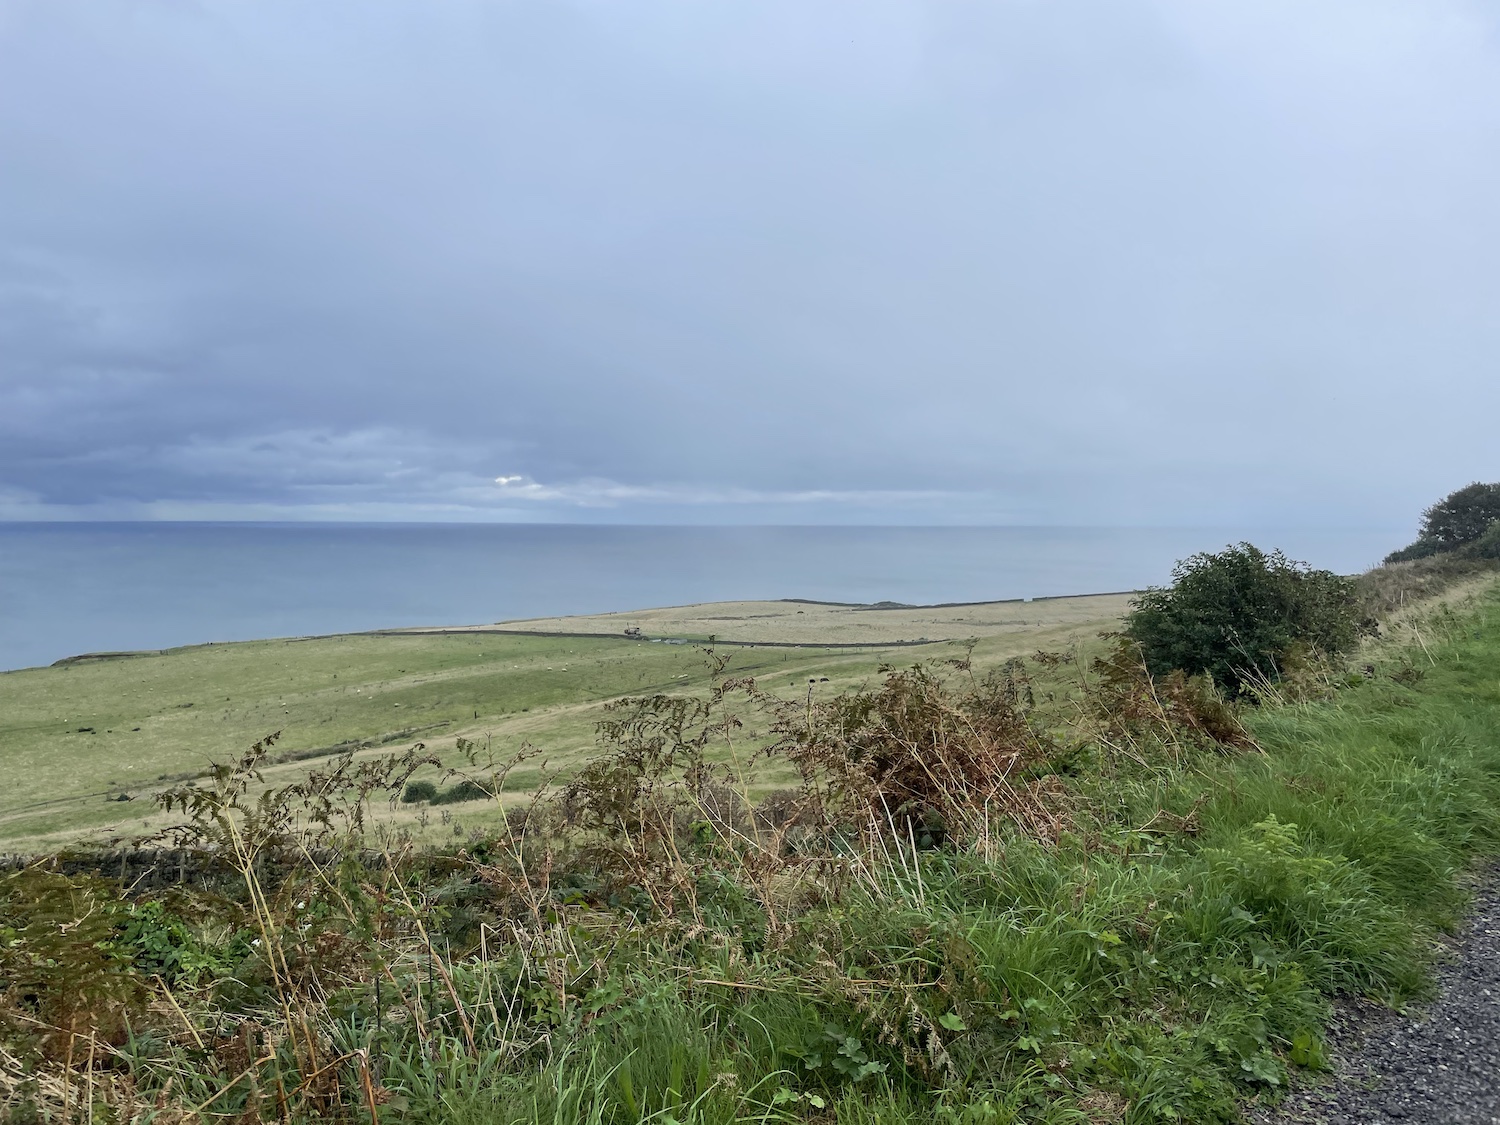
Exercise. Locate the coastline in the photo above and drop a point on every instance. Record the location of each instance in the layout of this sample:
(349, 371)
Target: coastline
(86, 588)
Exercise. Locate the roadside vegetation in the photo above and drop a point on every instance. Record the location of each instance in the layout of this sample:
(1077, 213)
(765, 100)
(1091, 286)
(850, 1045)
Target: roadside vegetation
(1082, 886)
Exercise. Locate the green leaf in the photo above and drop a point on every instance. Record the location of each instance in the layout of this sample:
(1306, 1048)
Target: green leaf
(953, 1022)
(1263, 1067)
(1307, 1050)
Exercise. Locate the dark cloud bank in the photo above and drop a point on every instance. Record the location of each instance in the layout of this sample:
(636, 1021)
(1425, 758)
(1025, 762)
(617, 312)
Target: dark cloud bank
(989, 262)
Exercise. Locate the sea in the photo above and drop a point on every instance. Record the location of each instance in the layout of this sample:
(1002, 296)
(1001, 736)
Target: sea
(72, 588)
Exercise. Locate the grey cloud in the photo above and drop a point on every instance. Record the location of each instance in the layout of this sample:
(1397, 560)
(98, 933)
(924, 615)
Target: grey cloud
(1072, 262)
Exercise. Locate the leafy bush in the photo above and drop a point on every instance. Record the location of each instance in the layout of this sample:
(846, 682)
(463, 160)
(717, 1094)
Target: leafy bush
(1487, 546)
(419, 791)
(1421, 549)
(1233, 616)
(465, 790)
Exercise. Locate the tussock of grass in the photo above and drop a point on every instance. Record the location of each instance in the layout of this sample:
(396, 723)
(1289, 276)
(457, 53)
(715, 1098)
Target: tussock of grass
(1169, 953)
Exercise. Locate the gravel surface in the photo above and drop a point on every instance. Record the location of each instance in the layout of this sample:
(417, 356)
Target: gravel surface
(1438, 1066)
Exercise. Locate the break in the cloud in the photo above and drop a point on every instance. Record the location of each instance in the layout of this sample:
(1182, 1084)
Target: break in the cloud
(760, 261)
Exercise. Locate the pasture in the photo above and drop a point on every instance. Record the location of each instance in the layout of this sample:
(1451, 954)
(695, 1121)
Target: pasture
(76, 737)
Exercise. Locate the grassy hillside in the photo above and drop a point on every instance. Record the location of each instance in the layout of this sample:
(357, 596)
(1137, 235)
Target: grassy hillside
(75, 737)
(1143, 924)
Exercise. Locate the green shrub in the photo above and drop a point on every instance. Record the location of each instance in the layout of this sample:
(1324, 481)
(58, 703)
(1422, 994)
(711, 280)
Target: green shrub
(1233, 616)
(1487, 546)
(465, 790)
(419, 791)
(161, 944)
(428, 791)
(1422, 549)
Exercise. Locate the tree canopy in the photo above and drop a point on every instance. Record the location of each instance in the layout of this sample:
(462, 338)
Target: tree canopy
(1462, 516)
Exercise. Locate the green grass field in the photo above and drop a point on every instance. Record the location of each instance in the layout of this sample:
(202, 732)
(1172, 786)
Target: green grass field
(74, 737)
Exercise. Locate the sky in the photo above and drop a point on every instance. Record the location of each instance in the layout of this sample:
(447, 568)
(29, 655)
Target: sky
(1124, 262)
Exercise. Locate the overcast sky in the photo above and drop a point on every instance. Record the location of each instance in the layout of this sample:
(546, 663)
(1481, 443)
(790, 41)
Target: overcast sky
(1010, 261)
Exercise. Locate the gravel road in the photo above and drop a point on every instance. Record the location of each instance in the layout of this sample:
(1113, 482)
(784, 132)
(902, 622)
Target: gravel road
(1439, 1066)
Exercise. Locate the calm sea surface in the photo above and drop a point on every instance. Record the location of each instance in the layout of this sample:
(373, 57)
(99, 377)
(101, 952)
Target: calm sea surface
(72, 588)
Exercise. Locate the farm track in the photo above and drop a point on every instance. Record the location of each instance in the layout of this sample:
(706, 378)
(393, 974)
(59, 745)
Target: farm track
(1437, 1066)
